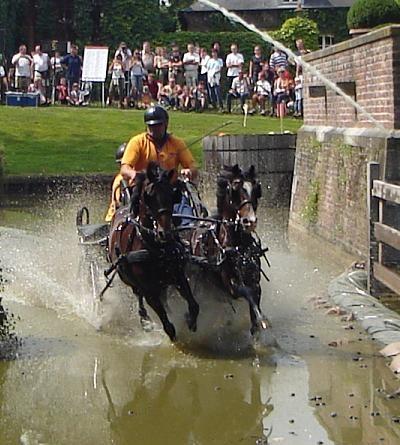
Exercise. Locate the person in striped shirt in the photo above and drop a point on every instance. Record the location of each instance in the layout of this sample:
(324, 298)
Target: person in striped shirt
(278, 59)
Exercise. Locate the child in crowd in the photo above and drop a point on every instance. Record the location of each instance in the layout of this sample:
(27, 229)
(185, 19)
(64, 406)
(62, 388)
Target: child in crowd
(117, 83)
(74, 98)
(298, 96)
(185, 98)
(200, 97)
(169, 94)
(62, 92)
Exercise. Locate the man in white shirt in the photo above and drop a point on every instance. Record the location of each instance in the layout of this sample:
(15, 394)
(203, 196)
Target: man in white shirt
(23, 63)
(261, 93)
(190, 63)
(240, 90)
(234, 63)
(41, 69)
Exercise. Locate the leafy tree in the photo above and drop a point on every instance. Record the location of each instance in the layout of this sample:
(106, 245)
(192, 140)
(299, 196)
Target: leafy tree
(370, 13)
(298, 28)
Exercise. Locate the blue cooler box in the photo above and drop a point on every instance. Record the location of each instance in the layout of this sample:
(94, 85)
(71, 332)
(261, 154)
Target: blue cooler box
(22, 99)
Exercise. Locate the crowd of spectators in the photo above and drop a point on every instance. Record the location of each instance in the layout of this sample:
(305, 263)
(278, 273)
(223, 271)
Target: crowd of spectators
(195, 80)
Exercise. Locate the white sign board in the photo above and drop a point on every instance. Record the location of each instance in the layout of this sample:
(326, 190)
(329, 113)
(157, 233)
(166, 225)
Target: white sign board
(95, 62)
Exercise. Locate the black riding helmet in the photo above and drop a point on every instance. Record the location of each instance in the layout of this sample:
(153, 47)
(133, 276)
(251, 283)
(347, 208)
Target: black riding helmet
(156, 115)
(120, 152)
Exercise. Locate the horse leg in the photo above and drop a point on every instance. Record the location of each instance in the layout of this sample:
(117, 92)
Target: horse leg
(145, 319)
(186, 292)
(154, 302)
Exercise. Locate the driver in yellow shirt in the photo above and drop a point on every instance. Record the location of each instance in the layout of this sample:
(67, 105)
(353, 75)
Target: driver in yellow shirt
(156, 144)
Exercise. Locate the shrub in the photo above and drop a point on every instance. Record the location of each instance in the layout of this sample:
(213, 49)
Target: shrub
(298, 28)
(370, 13)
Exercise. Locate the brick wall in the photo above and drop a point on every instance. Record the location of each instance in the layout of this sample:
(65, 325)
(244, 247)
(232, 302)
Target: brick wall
(369, 66)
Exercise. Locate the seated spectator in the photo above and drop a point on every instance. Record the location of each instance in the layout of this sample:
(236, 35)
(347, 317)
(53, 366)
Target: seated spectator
(146, 100)
(282, 89)
(240, 90)
(200, 97)
(169, 94)
(185, 98)
(154, 86)
(214, 67)
(74, 97)
(261, 93)
(33, 89)
(298, 96)
(62, 91)
(117, 83)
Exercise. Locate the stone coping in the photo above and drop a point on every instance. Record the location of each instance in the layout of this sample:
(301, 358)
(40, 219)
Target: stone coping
(324, 131)
(373, 36)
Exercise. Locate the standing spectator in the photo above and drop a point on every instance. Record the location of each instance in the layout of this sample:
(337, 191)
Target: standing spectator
(234, 63)
(73, 62)
(256, 64)
(281, 91)
(298, 96)
(278, 59)
(126, 55)
(117, 83)
(147, 58)
(301, 51)
(191, 62)
(261, 93)
(56, 67)
(175, 65)
(23, 64)
(214, 67)
(217, 46)
(3, 77)
(204, 58)
(240, 90)
(41, 71)
(137, 73)
(161, 64)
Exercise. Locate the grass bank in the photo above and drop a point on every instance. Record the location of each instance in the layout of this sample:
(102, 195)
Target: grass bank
(64, 141)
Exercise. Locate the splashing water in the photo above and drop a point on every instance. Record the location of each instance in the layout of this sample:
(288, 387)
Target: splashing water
(267, 38)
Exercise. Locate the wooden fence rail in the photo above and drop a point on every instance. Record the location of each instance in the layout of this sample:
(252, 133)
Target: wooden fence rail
(384, 233)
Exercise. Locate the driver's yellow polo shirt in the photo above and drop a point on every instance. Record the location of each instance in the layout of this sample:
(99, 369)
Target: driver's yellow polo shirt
(141, 150)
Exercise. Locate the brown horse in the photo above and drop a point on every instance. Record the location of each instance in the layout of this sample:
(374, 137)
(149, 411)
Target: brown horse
(230, 246)
(145, 250)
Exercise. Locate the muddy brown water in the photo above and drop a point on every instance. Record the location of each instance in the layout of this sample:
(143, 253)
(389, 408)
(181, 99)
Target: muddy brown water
(71, 383)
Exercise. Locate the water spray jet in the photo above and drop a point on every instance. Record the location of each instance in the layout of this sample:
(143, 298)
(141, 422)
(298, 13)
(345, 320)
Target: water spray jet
(267, 38)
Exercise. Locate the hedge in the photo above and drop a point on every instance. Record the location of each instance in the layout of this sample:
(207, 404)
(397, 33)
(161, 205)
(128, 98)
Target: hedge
(370, 13)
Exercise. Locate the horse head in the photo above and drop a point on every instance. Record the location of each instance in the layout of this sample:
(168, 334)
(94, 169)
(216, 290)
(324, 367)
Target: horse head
(237, 196)
(157, 196)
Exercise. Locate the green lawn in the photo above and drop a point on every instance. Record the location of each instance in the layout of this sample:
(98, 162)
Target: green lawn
(66, 141)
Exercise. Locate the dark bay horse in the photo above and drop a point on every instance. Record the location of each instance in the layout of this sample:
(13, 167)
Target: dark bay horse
(231, 246)
(145, 250)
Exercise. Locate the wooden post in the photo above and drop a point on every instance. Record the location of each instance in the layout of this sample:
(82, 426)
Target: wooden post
(373, 216)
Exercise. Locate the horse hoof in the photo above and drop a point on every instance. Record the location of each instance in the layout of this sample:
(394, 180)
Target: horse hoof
(191, 322)
(147, 324)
